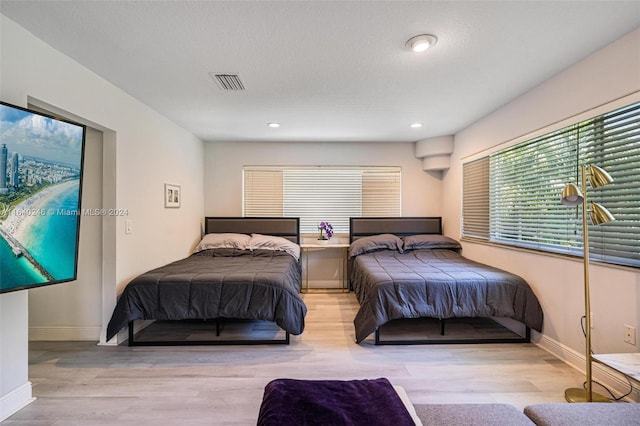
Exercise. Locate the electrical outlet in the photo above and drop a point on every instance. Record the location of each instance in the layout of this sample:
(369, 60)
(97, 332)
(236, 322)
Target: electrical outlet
(629, 334)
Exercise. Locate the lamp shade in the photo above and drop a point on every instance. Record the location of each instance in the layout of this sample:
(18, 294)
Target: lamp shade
(600, 214)
(598, 177)
(571, 195)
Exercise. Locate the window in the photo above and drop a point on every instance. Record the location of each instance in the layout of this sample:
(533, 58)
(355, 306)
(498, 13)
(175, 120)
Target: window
(525, 182)
(322, 193)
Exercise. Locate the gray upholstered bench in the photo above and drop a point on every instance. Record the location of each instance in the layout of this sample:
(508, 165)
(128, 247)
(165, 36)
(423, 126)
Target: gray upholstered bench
(584, 414)
(471, 415)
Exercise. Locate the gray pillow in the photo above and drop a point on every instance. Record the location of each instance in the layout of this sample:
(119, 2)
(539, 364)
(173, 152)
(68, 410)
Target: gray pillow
(429, 241)
(223, 240)
(375, 243)
(270, 242)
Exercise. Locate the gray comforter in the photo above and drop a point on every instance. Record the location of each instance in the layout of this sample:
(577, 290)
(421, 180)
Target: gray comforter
(219, 283)
(436, 284)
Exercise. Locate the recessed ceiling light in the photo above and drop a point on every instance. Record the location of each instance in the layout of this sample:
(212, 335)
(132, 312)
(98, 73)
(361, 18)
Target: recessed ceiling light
(421, 42)
(273, 125)
(416, 125)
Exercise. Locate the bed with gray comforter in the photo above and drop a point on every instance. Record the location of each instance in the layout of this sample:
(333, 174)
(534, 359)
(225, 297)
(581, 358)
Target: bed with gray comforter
(436, 283)
(244, 268)
(217, 283)
(403, 267)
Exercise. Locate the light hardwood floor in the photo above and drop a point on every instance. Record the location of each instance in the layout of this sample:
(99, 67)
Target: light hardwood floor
(80, 383)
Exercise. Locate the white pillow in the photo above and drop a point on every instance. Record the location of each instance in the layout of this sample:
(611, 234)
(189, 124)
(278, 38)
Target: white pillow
(223, 240)
(270, 242)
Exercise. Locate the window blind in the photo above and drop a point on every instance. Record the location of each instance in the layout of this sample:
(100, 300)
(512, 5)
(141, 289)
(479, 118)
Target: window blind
(475, 199)
(525, 183)
(331, 195)
(262, 194)
(381, 192)
(612, 141)
(322, 193)
(526, 180)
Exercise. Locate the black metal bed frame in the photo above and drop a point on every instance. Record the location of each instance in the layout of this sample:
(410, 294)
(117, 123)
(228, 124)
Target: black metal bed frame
(218, 321)
(404, 226)
(456, 341)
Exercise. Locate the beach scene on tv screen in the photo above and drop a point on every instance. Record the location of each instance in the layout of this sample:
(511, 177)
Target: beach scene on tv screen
(40, 171)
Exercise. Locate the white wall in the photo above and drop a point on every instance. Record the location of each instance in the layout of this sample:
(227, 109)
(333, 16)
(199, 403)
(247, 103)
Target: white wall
(143, 151)
(604, 77)
(421, 191)
(15, 389)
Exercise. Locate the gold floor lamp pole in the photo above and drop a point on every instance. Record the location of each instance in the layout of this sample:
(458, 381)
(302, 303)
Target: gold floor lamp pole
(572, 196)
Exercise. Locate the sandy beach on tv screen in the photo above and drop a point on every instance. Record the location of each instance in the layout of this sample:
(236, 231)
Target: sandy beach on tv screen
(23, 215)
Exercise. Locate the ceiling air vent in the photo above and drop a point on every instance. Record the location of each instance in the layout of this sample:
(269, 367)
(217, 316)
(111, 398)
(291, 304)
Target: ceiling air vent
(228, 81)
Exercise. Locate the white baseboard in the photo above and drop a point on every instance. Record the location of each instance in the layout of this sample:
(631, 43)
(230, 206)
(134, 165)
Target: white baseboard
(61, 333)
(614, 381)
(15, 401)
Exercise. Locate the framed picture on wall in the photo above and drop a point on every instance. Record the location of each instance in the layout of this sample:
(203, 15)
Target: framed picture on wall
(172, 196)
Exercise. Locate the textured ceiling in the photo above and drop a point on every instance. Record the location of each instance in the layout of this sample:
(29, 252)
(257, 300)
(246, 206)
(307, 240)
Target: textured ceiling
(325, 70)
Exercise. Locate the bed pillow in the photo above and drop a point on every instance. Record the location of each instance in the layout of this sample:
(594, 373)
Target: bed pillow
(429, 241)
(223, 240)
(375, 243)
(271, 242)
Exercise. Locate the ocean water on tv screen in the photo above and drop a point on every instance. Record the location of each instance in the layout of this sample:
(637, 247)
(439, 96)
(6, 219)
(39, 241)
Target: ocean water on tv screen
(50, 238)
(16, 271)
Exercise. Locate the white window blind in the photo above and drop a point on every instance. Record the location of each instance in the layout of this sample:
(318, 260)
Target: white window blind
(331, 195)
(322, 193)
(526, 180)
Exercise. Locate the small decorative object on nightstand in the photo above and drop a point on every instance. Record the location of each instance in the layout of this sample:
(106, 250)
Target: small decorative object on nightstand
(327, 228)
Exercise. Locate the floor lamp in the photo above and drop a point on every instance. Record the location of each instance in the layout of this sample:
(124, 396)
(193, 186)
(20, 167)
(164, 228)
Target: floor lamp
(572, 196)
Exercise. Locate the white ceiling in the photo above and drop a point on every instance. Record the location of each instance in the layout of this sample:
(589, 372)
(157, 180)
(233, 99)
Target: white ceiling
(325, 70)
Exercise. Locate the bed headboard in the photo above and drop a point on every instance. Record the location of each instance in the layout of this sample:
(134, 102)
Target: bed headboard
(285, 227)
(400, 226)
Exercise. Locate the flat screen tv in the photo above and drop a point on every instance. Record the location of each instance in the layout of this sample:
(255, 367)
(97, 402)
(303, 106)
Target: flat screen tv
(41, 160)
